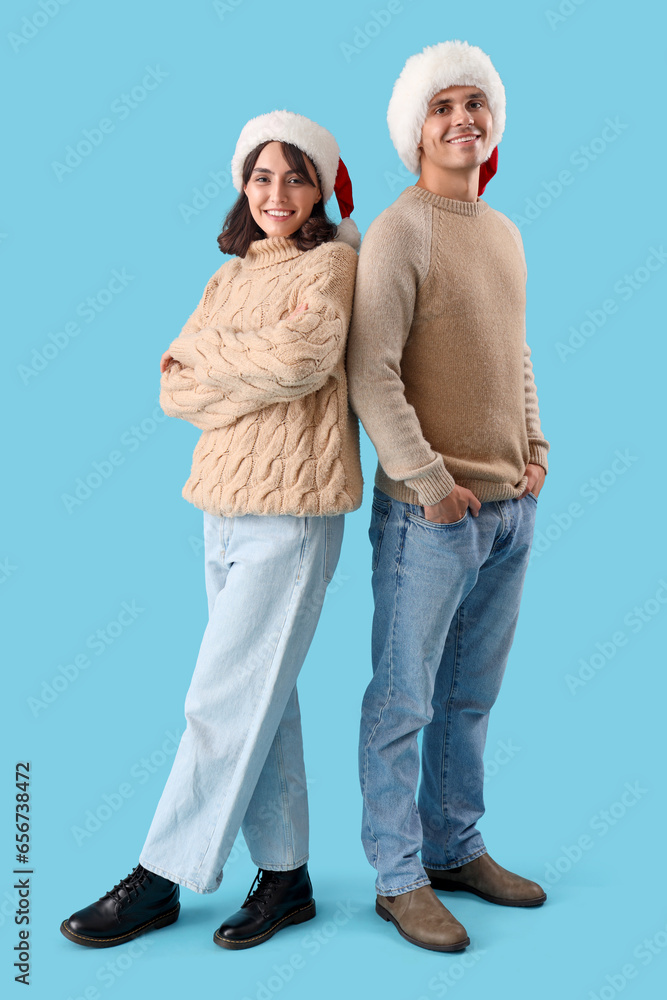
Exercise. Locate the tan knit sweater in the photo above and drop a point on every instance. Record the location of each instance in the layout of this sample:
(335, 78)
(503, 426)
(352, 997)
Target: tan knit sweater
(438, 366)
(270, 395)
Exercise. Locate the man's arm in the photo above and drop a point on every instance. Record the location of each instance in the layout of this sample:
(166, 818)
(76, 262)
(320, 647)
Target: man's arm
(393, 260)
(537, 445)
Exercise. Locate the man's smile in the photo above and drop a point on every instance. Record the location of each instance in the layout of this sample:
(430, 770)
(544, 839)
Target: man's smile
(467, 137)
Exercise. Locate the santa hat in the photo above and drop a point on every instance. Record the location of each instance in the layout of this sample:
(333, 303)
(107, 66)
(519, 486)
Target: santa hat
(435, 68)
(318, 144)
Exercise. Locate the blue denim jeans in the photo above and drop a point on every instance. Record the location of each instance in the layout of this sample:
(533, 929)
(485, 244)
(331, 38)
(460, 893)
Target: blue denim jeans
(446, 606)
(240, 764)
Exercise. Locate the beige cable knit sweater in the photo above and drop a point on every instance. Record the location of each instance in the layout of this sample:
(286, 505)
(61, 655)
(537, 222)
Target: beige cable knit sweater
(270, 395)
(438, 365)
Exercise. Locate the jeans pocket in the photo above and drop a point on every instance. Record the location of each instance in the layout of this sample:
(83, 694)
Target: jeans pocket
(414, 515)
(531, 494)
(380, 510)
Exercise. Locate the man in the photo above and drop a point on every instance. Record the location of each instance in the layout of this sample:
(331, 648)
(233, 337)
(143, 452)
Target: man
(441, 378)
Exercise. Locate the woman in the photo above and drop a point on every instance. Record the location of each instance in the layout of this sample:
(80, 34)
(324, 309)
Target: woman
(259, 368)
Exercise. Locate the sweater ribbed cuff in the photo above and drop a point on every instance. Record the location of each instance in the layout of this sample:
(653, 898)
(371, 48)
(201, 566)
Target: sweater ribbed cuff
(537, 454)
(433, 487)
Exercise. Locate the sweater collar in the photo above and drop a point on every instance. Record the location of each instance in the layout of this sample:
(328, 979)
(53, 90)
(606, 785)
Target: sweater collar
(471, 208)
(271, 250)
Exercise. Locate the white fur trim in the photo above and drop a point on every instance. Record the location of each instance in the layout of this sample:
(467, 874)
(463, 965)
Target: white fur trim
(348, 233)
(437, 67)
(314, 140)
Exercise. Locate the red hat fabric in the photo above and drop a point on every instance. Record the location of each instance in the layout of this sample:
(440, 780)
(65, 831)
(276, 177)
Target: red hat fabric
(487, 170)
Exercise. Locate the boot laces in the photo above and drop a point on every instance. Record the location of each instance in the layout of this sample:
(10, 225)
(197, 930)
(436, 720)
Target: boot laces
(132, 883)
(266, 882)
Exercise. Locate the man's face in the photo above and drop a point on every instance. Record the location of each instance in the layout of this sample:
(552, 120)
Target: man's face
(457, 130)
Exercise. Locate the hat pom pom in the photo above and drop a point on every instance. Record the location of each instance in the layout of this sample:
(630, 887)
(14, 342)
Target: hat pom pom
(348, 233)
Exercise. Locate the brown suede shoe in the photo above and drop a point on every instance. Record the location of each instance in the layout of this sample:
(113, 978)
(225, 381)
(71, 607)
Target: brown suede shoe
(487, 879)
(421, 919)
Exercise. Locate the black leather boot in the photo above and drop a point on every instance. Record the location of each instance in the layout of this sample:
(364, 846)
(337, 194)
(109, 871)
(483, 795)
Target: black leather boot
(140, 902)
(280, 899)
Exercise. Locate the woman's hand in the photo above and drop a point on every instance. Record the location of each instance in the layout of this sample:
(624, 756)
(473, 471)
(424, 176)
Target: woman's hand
(297, 312)
(165, 361)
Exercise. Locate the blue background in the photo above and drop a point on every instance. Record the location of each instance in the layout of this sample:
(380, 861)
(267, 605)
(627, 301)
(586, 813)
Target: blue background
(582, 706)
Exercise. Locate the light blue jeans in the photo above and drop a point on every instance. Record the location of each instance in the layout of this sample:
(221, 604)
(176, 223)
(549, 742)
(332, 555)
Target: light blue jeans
(446, 606)
(240, 764)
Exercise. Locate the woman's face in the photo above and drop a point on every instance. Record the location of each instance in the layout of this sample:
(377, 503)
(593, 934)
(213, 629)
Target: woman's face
(280, 202)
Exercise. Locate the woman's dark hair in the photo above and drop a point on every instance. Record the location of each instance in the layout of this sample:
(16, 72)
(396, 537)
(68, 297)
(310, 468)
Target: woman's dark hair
(239, 228)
